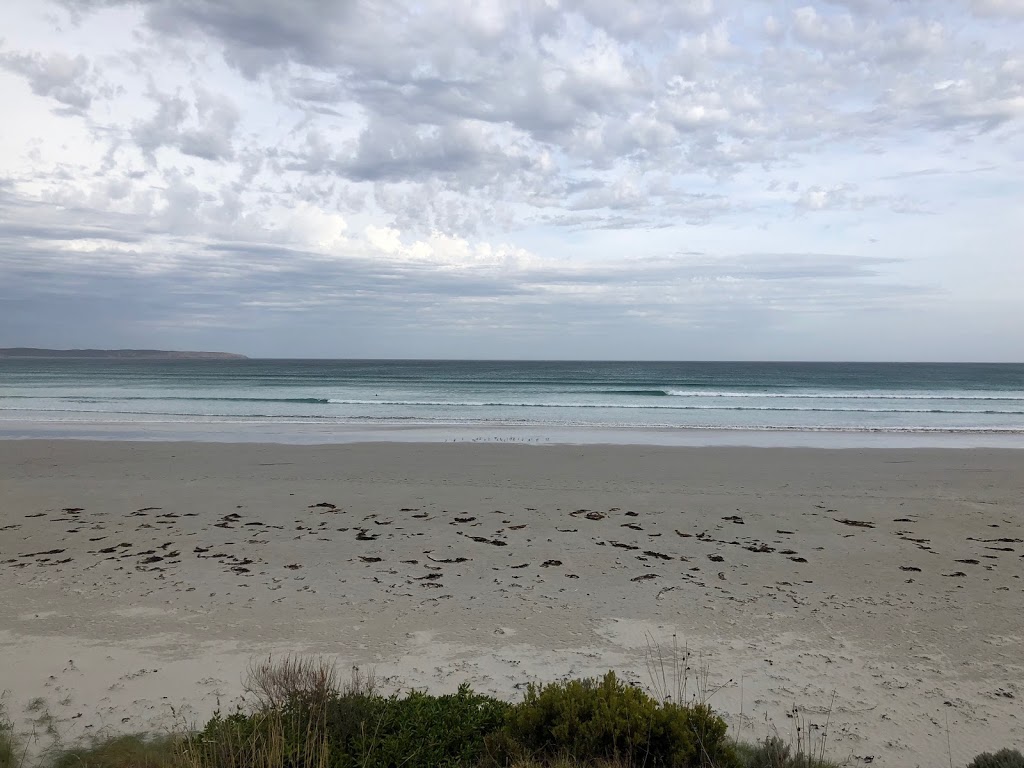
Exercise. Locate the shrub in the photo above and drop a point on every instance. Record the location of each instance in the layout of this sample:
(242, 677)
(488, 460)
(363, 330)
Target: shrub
(1004, 758)
(351, 729)
(587, 721)
(429, 731)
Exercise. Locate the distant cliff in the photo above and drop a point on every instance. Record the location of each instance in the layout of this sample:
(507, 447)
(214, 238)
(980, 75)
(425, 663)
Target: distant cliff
(116, 354)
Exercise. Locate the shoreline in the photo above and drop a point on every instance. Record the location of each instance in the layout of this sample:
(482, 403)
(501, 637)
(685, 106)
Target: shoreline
(311, 434)
(903, 592)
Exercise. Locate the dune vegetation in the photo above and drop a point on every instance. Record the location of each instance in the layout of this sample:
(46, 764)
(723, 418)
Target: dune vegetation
(298, 713)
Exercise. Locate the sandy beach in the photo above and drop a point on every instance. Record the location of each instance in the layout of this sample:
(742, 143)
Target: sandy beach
(881, 590)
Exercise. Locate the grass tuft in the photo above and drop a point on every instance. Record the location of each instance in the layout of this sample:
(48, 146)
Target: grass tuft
(132, 751)
(11, 750)
(274, 683)
(774, 752)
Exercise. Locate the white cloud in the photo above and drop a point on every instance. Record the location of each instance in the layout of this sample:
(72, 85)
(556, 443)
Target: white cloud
(550, 154)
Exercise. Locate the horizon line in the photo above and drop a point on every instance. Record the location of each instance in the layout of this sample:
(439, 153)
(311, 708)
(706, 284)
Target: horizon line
(247, 358)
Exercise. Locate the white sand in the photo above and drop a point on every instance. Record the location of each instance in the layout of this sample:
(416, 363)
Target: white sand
(234, 562)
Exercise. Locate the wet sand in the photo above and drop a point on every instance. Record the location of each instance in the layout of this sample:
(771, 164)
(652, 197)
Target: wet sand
(138, 579)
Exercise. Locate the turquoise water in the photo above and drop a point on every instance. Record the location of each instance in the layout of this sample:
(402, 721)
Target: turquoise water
(320, 395)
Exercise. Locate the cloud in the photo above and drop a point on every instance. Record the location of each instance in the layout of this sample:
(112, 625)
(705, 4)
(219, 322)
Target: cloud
(386, 275)
(67, 80)
(839, 197)
(532, 162)
(662, 83)
(204, 129)
(998, 7)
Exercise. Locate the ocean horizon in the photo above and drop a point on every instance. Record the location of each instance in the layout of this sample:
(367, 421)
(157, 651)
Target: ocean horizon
(302, 400)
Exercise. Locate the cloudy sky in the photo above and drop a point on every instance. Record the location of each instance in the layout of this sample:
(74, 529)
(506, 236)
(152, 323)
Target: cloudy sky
(694, 179)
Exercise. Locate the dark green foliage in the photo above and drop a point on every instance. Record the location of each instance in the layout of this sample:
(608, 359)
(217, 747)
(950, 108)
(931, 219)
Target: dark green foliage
(1004, 758)
(358, 729)
(593, 720)
(428, 731)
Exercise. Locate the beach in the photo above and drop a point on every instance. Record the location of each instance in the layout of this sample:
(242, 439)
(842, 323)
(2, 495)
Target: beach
(879, 591)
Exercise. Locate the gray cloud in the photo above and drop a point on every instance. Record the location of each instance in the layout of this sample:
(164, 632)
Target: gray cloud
(67, 80)
(1013, 8)
(659, 85)
(204, 129)
(522, 164)
(227, 278)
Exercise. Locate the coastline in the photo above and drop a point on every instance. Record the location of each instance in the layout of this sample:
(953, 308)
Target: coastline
(122, 638)
(285, 432)
(346, 401)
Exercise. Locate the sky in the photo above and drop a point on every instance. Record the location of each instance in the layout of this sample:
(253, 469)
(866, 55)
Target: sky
(575, 179)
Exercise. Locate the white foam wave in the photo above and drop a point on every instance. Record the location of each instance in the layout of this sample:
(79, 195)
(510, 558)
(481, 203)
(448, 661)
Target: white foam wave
(652, 406)
(1015, 396)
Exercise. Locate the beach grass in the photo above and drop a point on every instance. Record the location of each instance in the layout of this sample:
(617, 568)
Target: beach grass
(10, 745)
(774, 752)
(127, 751)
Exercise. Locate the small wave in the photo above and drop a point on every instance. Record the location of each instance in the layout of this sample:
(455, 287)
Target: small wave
(845, 395)
(173, 398)
(667, 392)
(112, 412)
(258, 420)
(635, 392)
(647, 406)
(694, 393)
(509, 404)
(305, 400)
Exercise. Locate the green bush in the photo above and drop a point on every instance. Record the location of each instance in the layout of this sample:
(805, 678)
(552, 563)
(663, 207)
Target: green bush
(356, 729)
(429, 731)
(1004, 758)
(588, 721)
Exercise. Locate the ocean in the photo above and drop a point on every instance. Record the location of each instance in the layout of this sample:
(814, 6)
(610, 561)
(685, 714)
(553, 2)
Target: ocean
(339, 400)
